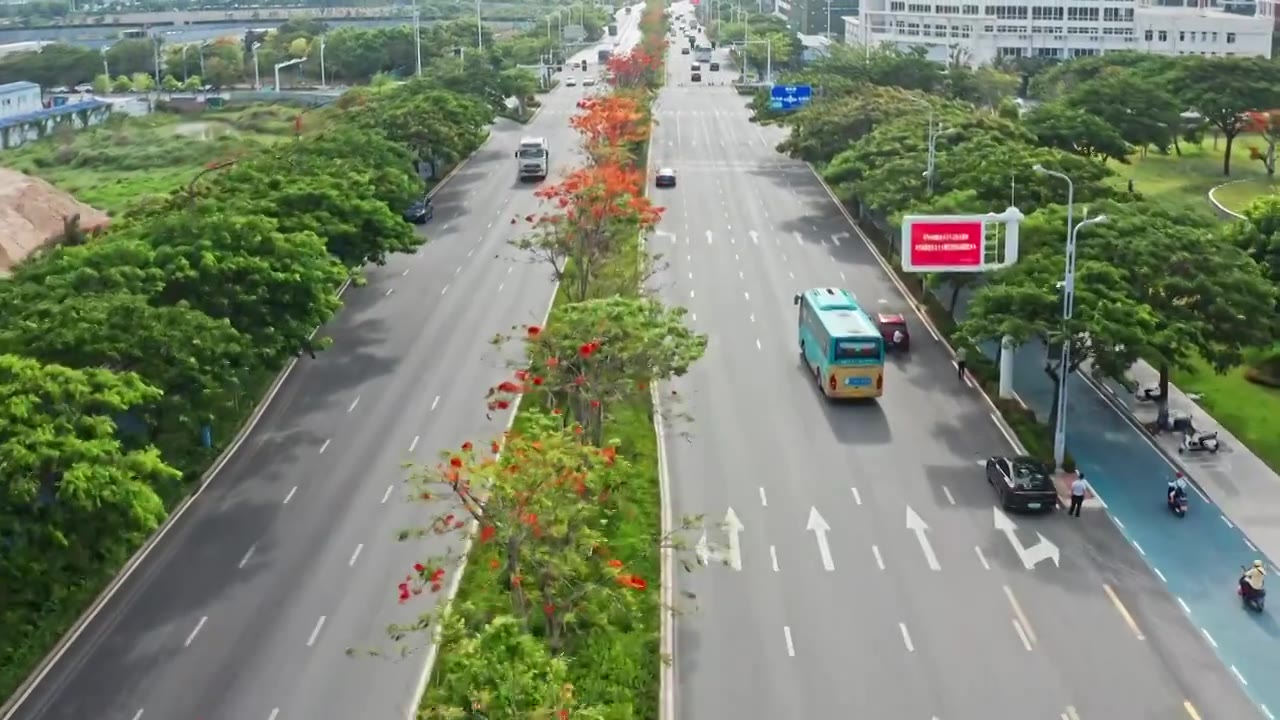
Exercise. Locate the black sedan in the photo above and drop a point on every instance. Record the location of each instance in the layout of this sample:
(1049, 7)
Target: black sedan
(420, 212)
(1022, 483)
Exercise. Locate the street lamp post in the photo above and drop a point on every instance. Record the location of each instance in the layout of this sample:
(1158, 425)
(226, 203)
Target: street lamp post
(322, 81)
(1068, 307)
(479, 29)
(417, 41)
(257, 79)
(184, 62)
(931, 163)
(106, 69)
(286, 64)
(768, 56)
(200, 52)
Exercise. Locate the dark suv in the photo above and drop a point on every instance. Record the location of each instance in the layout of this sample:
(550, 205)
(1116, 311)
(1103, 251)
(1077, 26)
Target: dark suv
(1022, 483)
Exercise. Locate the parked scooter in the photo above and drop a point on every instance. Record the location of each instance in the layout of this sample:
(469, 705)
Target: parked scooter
(1196, 441)
(1149, 393)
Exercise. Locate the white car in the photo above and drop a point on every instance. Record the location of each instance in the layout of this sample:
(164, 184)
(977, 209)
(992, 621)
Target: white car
(570, 82)
(588, 82)
(666, 178)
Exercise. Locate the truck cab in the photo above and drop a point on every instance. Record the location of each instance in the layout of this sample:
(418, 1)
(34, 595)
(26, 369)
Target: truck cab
(533, 159)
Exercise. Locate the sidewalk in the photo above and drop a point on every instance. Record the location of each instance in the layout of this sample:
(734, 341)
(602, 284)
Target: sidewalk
(1241, 485)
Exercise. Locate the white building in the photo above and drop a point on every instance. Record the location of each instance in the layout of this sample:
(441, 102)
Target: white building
(19, 98)
(24, 117)
(978, 34)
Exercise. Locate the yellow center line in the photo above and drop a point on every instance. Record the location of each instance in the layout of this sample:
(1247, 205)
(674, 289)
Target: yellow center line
(1191, 710)
(1124, 612)
(1022, 617)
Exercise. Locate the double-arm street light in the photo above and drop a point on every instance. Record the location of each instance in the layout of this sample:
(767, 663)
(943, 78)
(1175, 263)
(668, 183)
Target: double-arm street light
(1068, 308)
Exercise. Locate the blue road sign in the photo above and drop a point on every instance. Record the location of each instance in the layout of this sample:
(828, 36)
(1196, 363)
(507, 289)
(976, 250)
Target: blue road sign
(790, 97)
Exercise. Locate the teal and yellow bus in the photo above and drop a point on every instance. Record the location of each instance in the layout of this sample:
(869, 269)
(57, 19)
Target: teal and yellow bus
(840, 344)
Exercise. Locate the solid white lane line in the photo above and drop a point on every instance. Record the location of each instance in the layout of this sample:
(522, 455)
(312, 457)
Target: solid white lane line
(906, 637)
(354, 403)
(981, 558)
(191, 638)
(315, 633)
(355, 555)
(857, 499)
(764, 501)
(289, 497)
(1013, 442)
(435, 402)
(387, 494)
(414, 444)
(773, 557)
(1022, 634)
(248, 554)
(947, 492)
(875, 550)
(791, 648)
(324, 447)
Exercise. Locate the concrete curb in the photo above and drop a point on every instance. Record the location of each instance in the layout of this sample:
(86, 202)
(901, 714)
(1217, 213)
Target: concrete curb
(24, 690)
(1219, 207)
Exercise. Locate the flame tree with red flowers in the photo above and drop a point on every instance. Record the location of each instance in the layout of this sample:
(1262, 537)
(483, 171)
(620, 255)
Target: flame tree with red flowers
(599, 352)
(613, 127)
(595, 210)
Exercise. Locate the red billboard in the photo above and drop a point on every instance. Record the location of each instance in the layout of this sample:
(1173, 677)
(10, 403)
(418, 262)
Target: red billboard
(943, 244)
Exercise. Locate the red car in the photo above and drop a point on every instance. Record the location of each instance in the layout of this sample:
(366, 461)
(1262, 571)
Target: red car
(893, 328)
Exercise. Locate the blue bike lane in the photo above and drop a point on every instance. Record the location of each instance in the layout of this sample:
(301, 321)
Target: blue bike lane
(1197, 556)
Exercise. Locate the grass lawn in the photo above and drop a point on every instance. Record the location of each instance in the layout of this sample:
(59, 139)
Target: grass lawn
(1250, 411)
(1237, 197)
(128, 158)
(1187, 179)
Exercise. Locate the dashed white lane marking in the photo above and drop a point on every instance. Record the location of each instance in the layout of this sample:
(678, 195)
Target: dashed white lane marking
(1185, 608)
(389, 291)
(354, 403)
(764, 501)
(1159, 574)
(753, 317)
(138, 715)
(906, 637)
(315, 632)
(857, 499)
(746, 295)
(875, 550)
(414, 444)
(445, 290)
(1239, 677)
(773, 557)
(455, 272)
(324, 447)
(1225, 520)
(1265, 711)
(386, 495)
(947, 492)
(758, 345)
(191, 638)
(289, 497)
(406, 272)
(1021, 616)
(791, 648)
(356, 554)
(501, 286)
(274, 712)
(1022, 634)
(1209, 637)
(842, 277)
(248, 554)
(435, 402)
(1141, 552)
(982, 558)
(691, 293)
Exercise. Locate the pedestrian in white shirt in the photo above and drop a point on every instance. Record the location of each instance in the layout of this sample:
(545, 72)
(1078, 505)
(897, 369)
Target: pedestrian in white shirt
(1078, 489)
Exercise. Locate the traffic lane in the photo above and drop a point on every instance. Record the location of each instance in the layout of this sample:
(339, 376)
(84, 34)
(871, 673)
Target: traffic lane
(866, 449)
(1097, 670)
(780, 613)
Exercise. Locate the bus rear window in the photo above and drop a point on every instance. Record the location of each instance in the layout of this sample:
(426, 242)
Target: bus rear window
(857, 350)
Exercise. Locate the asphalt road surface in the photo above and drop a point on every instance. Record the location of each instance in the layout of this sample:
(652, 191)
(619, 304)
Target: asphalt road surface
(246, 608)
(840, 609)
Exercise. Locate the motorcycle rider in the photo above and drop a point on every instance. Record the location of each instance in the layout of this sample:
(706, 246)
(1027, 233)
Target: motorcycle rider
(1251, 583)
(1177, 490)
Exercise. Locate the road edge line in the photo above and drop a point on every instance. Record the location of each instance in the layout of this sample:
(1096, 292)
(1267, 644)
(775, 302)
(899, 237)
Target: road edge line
(1002, 424)
(46, 664)
(424, 679)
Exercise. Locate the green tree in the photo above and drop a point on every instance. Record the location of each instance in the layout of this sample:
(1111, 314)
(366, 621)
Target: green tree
(821, 130)
(186, 354)
(192, 83)
(53, 65)
(1259, 235)
(170, 84)
(102, 84)
(1068, 128)
(142, 82)
(594, 353)
(436, 125)
(1225, 89)
(132, 57)
(1142, 110)
(122, 84)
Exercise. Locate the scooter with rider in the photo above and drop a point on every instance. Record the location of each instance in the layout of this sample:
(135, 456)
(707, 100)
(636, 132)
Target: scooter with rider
(1252, 591)
(1176, 495)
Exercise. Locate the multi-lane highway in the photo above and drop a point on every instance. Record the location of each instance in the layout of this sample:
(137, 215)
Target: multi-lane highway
(289, 557)
(873, 579)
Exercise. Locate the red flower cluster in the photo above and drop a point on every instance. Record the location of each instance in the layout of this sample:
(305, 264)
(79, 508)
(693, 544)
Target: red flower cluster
(433, 579)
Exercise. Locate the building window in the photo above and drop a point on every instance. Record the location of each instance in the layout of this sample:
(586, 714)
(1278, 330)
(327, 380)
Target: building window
(1164, 36)
(1182, 37)
(922, 9)
(970, 9)
(1231, 38)
(897, 6)
(1083, 14)
(1148, 35)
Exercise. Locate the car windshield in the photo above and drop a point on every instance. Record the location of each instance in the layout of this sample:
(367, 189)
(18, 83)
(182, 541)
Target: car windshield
(1029, 475)
(536, 153)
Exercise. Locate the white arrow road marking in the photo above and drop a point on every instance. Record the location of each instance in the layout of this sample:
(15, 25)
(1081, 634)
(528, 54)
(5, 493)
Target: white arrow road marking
(733, 526)
(836, 237)
(820, 528)
(703, 550)
(1041, 551)
(916, 524)
(755, 237)
(708, 237)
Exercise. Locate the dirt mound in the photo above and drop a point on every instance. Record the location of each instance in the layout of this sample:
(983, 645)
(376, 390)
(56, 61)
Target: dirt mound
(32, 215)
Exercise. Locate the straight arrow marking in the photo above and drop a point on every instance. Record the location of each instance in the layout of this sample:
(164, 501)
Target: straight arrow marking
(820, 528)
(733, 526)
(916, 524)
